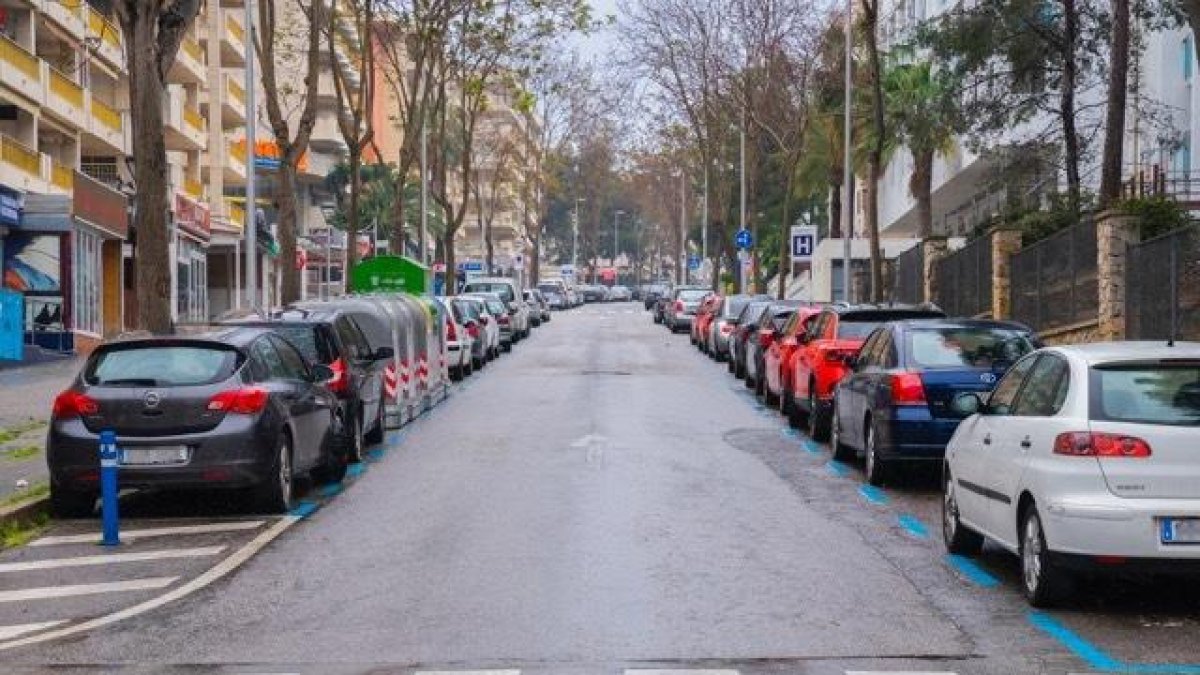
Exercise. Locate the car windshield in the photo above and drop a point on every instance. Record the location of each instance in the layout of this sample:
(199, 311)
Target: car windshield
(966, 347)
(734, 307)
(549, 288)
(495, 307)
(692, 295)
(161, 366)
(855, 329)
(1167, 394)
(503, 290)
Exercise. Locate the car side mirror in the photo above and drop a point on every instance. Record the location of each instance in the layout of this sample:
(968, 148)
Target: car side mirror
(320, 372)
(384, 353)
(966, 404)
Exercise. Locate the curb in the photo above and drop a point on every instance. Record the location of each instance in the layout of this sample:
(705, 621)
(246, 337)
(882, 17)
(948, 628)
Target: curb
(24, 510)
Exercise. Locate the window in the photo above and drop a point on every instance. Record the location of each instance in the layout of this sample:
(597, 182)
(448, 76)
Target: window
(160, 366)
(293, 363)
(1157, 393)
(88, 265)
(1001, 400)
(1045, 390)
(265, 352)
(191, 265)
(966, 347)
(886, 356)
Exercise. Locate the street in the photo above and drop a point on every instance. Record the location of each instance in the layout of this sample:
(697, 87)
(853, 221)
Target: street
(607, 500)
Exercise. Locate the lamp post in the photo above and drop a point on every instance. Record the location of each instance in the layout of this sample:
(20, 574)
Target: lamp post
(847, 173)
(251, 228)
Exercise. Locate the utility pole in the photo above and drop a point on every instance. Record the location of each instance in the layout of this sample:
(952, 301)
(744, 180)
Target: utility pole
(742, 205)
(682, 263)
(847, 172)
(424, 228)
(251, 228)
(575, 238)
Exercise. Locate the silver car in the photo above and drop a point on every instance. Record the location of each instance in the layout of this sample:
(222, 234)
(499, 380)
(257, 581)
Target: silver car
(681, 308)
(510, 295)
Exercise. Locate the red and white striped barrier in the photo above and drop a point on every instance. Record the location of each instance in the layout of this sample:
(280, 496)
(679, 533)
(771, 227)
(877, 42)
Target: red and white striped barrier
(389, 381)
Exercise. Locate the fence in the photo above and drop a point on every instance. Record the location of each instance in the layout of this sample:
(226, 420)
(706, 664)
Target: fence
(964, 280)
(909, 276)
(1054, 282)
(1162, 287)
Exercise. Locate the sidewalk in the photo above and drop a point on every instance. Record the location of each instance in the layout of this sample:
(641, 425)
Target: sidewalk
(26, 394)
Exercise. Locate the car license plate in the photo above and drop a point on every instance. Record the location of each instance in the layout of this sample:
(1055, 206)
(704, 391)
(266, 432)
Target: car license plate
(1179, 530)
(155, 455)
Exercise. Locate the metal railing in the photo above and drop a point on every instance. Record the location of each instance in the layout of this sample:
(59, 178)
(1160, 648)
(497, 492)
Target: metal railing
(909, 276)
(192, 48)
(193, 118)
(238, 151)
(964, 280)
(17, 154)
(66, 89)
(236, 92)
(1054, 282)
(103, 28)
(20, 58)
(106, 114)
(235, 29)
(1162, 287)
(193, 188)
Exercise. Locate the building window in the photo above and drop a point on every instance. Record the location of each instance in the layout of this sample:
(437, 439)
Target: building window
(1186, 58)
(87, 297)
(191, 268)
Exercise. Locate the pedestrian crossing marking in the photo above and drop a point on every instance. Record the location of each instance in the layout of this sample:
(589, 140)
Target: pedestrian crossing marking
(7, 632)
(84, 561)
(50, 592)
(126, 535)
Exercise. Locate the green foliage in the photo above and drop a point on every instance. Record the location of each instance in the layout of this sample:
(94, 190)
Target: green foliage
(22, 453)
(15, 534)
(34, 491)
(1035, 224)
(1158, 215)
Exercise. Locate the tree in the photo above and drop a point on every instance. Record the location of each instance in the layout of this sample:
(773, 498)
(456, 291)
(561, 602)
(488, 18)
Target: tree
(291, 111)
(876, 141)
(1118, 76)
(492, 186)
(153, 32)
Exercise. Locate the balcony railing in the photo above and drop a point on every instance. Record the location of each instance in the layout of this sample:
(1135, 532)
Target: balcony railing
(103, 28)
(236, 92)
(62, 175)
(106, 115)
(18, 57)
(237, 214)
(193, 188)
(17, 154)
(64, 88)
(192, 49)
(238, 151)
(235, 29)
(192, 117)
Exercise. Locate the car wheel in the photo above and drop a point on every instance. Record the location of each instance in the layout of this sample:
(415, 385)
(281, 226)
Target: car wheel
(1045, 583)
(729, 365)
(768, 397)
(785, 402)
(959, 539)
(66, 503)
(355, 442)
(507, 347)
(275, 494)
(841, 451)
(456, 374)
(818, 424)
(877, 469)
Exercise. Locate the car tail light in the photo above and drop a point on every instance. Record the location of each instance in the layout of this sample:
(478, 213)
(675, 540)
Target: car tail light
(473, 330)
(243, 401)
(726, 328)
(764, 338)
(71, 403)
(907, 389)
(340, 382)
(678, 306)
(1087, 444)
(451, 332)
(503, 319)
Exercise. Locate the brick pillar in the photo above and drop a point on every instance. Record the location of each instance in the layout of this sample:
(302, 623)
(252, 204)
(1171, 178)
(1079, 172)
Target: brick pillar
(933, 250)
(1114, 233)
(1005, 243)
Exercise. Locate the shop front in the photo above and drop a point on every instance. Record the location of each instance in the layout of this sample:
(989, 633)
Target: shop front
(190, 251)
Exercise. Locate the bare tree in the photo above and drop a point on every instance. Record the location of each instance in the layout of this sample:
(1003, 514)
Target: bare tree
(492, 187)
(153, 32)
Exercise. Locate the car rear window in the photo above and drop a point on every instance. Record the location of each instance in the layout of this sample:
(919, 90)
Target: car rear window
(161, 366)
(692, 294)
(549, 288)
(496, 307)
(505, 291)
(734, 307)
(966, 347)
(303, 336)
(1167, 394)
(855, 328)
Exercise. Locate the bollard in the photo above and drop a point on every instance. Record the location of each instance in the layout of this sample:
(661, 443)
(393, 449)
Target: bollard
(108, 488)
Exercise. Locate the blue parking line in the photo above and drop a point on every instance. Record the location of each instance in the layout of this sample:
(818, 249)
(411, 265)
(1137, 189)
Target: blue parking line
(304, 509)
(972, 571)
(810, 447)
(355, 470)
(873, 494)
(789, 432)
(837, 468)
(1098, 659)
(914, 526)
(375, 454)
(332, 489)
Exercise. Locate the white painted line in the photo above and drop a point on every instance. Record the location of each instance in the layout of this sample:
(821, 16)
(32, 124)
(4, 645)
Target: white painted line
(219, 570)
(49, 592)
(236, 526)
(84, 561)
(679, 671)
(9, 632)
(468, 672)
(899, 672)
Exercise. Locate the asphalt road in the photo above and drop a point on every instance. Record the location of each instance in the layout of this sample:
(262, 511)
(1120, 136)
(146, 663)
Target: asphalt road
(604, 498)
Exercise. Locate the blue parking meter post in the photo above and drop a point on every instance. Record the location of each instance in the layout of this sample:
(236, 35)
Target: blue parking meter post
(109, 461)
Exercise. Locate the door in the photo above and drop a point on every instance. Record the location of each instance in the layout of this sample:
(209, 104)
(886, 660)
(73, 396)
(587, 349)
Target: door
(313, 405)
(852, 394)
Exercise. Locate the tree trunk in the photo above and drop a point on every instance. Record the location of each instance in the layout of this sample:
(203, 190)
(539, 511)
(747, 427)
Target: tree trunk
(875, 161)
(535, 260)
(1114, 135)
(352, 216)
(396, 241)
(451, 272)
(286, 198)
(1067, 103)
(835, 207)
(872, 223)
(150, 219)
(488, 244)
(921, 187)
(785, 240)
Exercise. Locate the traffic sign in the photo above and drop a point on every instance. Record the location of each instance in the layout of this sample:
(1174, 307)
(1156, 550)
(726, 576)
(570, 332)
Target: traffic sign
(567, 271)
(804, 243)
(693, 262)
(743, 238)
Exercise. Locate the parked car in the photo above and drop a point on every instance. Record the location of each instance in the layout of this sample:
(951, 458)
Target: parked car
(651, 294)
(330, 333)
(498, 309)
(539, 307)
(483, 327)
(894, 406)
(777, 360)
(704, 317)
(681, 308)
(235, 408)
(459, 342)
(724, 323)
(1082, 458)
(507, 290)
(659, 310)
(833, 338)
(594, 293)
(747, 327)
(767, 329)
(620, 294)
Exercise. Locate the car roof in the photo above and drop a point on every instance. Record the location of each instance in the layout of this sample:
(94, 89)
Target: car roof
(961, 323)
(236, 336)
(842, 307)
(491, 280)
(1131, 350)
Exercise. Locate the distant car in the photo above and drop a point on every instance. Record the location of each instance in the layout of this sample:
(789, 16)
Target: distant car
(555, 295)
(460, 344)
(724, 323)
(1083, 458)
(237, 408)
(652, 292)
(508, 292)
(498, 309)
(747, 328)
(778, 358)
(595, 293)
(832, 341)
(538, 305)
(767, 331)
(681, 307)
(704, 318)
(482, 326)
(894, 406)
(620, 294)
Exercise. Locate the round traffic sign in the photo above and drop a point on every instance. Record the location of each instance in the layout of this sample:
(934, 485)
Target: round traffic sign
(743, 239)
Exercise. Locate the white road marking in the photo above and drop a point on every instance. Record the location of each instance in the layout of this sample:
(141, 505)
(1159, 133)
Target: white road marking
(899, 672)
(678, 671)
(219, 570)
(235, 526)
(468, 672)
(7, 632)
(49, 592)
(84, 561)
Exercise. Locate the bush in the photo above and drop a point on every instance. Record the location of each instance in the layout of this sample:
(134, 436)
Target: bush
(1158, 215)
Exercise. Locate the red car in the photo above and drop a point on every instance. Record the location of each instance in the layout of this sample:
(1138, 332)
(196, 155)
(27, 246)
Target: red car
(833, 338)
(777, 360)
(704, 319)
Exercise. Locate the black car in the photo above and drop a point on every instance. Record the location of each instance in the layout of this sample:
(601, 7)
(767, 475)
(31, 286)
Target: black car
(334, 335)
(651, 293)
(747, 327)
(236, 408)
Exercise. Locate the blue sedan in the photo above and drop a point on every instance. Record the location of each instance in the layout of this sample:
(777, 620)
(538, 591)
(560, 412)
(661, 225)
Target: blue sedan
(895, 405)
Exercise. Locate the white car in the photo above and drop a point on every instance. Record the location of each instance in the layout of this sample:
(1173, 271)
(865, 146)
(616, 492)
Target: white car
(1083, 457)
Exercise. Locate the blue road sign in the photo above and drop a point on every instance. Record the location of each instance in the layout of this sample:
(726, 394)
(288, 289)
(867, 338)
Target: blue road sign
(693, 262)
(743, 239)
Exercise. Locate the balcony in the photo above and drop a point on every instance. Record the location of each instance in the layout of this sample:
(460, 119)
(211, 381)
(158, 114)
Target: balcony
(62, 177)
(183, 125)
(109, 45)
(193, 189)
(237, 214)
(233, 103)
(188, 67)
(234, 166)
(326, 135)
(20, 69)
(233, 42)
(67, 15)
(21, 166)
(64, 98)
(106, 124)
